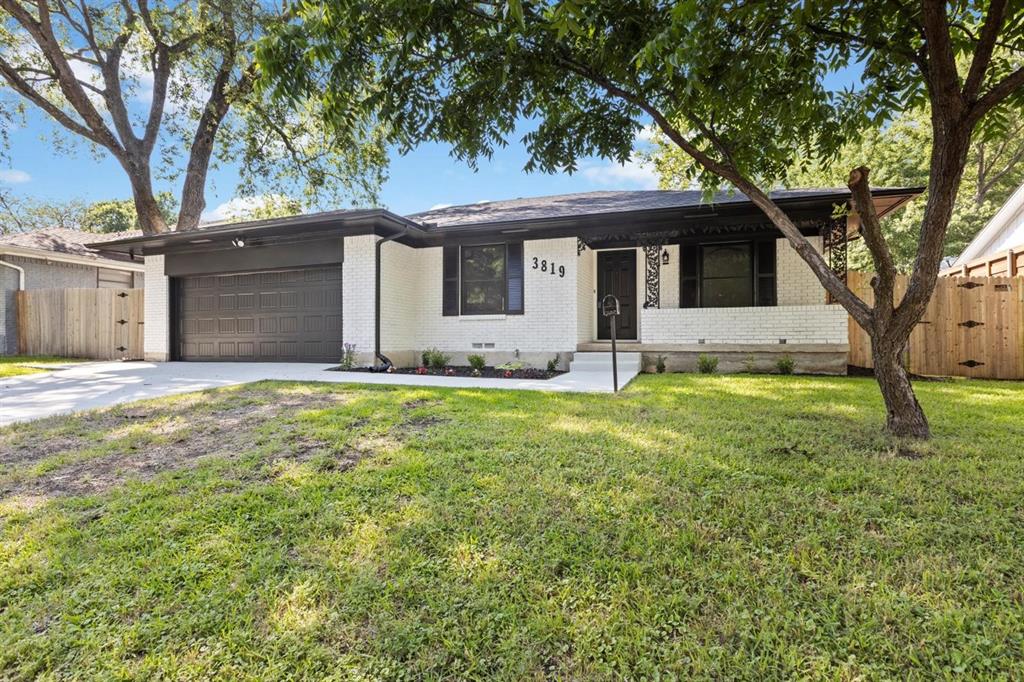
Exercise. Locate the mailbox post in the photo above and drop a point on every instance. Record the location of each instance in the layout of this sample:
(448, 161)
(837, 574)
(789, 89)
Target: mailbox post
(610, 308)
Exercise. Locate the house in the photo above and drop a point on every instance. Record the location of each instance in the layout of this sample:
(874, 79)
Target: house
(517, 279)
(57, 258)
(999, 248)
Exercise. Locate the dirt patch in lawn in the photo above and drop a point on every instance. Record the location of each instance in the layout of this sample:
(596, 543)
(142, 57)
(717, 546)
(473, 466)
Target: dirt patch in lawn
(113, 446)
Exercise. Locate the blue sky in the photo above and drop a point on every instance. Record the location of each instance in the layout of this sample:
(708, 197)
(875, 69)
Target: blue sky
(422, 179)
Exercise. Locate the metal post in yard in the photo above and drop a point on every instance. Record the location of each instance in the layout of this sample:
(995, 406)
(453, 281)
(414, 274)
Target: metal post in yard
(610, 309)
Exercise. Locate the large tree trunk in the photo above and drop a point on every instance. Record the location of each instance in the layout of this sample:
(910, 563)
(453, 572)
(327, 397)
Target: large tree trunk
(147, 209)
(904, 416)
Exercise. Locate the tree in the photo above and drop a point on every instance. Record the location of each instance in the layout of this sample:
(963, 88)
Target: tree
(738, 87)
(118, 215)
(899, 153)
(135, 79)
(20, 214)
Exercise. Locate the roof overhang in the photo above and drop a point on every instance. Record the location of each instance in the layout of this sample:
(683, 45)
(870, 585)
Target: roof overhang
(685, 220)
(57, 257)
(265, 232)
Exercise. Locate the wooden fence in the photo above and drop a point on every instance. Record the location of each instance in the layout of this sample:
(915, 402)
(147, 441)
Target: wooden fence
(103, 324)
(973, 327)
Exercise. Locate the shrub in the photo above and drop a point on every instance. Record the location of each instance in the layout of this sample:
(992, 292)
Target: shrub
(510, 366)
(435, 359)
(553, 364)
(749, 364)
(659, 364)
(785, 364)
(707, 364)
(348, 356)
(477, 362)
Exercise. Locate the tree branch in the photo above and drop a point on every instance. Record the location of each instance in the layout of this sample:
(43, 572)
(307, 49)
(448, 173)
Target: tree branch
(983, 50)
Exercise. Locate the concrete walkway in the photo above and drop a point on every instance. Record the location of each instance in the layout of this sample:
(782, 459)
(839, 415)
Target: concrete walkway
(101, 384)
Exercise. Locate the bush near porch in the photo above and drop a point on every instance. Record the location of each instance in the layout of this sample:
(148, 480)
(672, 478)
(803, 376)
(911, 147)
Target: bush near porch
(749, 527)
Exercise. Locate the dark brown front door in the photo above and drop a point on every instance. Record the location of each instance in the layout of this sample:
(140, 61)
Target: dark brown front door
(616, 275)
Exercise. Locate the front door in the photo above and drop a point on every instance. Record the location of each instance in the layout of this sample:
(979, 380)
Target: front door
(616, 275)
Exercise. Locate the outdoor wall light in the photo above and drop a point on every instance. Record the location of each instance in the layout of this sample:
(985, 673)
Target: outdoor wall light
(238, 241)
(664, 257)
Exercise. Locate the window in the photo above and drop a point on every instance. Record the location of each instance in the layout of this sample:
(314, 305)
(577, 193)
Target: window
(483, 283)
(727, 275)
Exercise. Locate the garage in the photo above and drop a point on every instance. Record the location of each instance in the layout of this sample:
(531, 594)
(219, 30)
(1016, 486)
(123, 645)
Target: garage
(285, 315)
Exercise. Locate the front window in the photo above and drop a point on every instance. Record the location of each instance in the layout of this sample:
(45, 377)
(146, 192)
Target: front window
(483, 279)
(727, 275)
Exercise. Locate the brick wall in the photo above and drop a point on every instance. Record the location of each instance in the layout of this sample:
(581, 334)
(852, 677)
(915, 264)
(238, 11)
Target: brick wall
(156, 331)
(586, 296)
(796, 324)
(796, 283)
(357, 294)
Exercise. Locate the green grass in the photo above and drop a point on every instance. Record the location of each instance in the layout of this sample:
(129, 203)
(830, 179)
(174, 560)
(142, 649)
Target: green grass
(16, 365)
(694, 526)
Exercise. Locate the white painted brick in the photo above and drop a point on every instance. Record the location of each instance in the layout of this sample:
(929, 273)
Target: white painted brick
(156, 336)
(796, 324)
(795, 281)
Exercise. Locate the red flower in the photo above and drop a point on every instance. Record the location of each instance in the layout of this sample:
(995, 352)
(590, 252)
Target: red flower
(508, 374)
(421, 370)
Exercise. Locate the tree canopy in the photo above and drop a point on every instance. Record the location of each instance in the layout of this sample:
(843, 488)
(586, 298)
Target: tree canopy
(899, 156)
(738, 87)
(168, 89)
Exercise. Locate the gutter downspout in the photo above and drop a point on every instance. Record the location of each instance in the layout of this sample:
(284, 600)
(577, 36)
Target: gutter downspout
(21, 273)
(385, 362)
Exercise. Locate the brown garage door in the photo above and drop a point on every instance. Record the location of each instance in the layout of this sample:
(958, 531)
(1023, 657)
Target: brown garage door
(271, 316)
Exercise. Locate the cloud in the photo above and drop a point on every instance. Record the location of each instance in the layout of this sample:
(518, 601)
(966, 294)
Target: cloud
(645, 136)
(438, 207)
(13, 176)
(632, 173)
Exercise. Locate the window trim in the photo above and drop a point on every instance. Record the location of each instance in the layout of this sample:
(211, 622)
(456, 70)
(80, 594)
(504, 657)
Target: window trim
(504, 295)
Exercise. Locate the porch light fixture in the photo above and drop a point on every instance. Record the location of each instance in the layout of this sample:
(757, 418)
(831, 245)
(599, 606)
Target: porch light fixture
(664, 257)
(238, 241)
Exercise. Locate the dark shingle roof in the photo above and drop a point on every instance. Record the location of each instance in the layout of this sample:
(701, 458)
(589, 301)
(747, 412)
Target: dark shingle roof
(585, 203)
(61, 240)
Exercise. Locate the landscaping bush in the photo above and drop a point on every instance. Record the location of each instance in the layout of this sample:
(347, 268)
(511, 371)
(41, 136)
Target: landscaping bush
(707, 364)
(659, 364)
(348, 356)
(785, 364)
(553, 364)
(435, 359)
(477, 362)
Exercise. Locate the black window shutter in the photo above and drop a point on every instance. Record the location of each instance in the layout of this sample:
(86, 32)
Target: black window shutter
(765, 273)
(514, 270)
(450, 286)
(689, 275)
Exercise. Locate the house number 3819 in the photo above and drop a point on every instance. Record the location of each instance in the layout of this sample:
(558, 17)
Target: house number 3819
(545, 266)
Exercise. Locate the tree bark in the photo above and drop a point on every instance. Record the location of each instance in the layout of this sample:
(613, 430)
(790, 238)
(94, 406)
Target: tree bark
(903, 414)
(147, 209)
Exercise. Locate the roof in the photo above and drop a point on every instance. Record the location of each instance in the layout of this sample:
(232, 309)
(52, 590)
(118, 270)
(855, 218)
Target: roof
(1005, 230)
(589, 203)
(58, 240)
(541, 216)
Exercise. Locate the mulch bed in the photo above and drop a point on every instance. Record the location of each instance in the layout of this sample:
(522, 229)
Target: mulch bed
(466, 371)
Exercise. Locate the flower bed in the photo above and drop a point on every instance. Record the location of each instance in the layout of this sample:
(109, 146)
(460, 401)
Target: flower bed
(466, 371)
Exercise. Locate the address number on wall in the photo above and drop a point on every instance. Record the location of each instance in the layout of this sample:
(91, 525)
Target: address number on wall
(544, 266)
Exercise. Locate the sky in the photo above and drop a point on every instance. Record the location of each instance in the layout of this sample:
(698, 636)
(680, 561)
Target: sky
(425, 178)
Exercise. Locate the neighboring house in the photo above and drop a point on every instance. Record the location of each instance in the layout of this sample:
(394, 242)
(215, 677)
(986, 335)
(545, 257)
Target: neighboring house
(507, 279)
(57, 259)
(999, 248)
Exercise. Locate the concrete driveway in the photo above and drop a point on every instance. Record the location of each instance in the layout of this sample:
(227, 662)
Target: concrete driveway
(102, 384)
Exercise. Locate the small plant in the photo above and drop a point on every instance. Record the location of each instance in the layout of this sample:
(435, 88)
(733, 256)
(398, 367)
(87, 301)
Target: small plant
(785, 364)
(707, 364)
(749, 364)
(435, 359)
(508, 374)
(421, 370)
(348, 356)
(477, 362)
(510, 366)
(476, 372)
(553, 363)
(659, 364)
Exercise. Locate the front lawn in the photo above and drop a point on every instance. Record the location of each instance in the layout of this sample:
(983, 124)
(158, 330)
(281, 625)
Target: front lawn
(16, 365)
(693, 526)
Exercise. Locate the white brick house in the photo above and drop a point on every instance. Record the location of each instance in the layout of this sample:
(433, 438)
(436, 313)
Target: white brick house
(512, 279)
